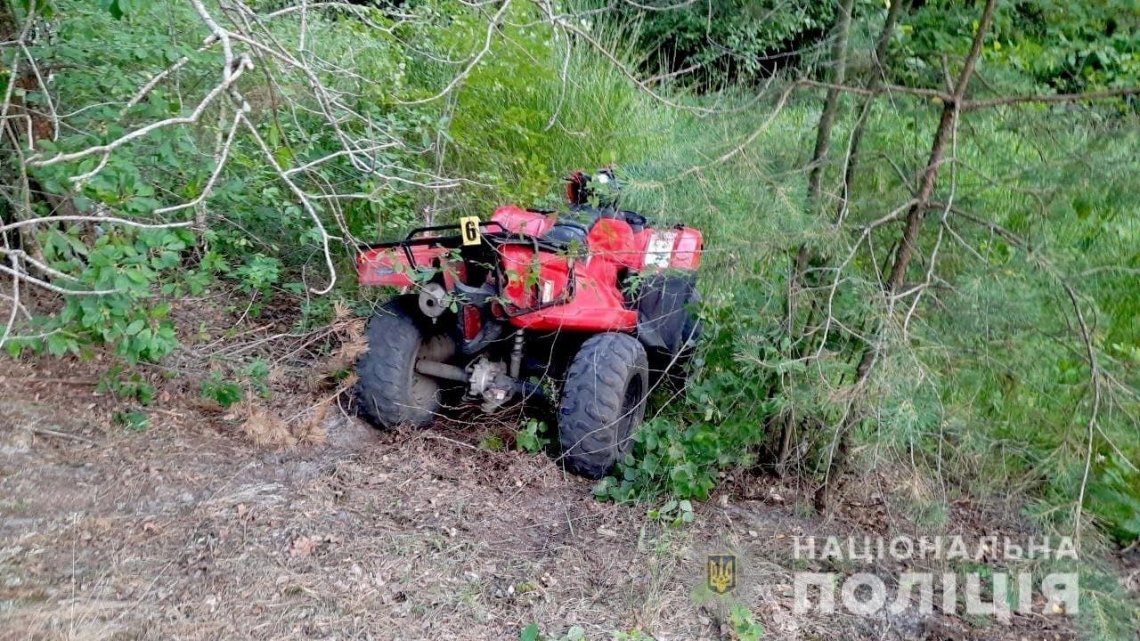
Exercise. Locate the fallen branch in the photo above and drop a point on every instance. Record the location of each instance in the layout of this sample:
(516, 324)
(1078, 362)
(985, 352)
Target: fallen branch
(974, 105)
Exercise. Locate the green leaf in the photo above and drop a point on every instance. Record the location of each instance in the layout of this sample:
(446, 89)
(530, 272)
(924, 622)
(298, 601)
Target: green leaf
(134, 421)
(58, 344)
(135, 327)
(530, 633)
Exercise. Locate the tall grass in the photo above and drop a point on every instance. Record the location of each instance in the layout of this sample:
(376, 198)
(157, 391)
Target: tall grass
(537, 107)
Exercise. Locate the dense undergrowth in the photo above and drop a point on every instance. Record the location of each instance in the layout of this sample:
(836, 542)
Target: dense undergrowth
(985, 389)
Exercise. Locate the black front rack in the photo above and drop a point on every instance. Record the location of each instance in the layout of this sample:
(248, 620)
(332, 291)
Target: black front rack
(493, 240)
(415, 238)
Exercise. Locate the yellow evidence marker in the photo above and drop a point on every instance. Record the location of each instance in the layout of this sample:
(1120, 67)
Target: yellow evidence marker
(470, 227)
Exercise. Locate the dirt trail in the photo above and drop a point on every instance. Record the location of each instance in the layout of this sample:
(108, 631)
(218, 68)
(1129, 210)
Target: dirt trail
(188, 531)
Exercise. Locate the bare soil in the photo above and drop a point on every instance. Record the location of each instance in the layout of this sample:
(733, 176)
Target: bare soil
(188, 530)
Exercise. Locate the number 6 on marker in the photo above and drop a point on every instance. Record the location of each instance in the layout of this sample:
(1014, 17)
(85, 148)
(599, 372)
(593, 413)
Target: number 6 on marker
(470, 226)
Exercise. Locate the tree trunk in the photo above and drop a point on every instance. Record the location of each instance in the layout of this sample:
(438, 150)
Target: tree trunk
(822, 143)
(830, 101)
(882, 46)
(815, 178)
(903, 255)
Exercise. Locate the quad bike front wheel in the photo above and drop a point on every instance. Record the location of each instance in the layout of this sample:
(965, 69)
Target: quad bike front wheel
(603, 402)
(390, 391)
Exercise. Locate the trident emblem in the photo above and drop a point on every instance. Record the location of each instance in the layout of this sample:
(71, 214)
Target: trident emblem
(722, 573)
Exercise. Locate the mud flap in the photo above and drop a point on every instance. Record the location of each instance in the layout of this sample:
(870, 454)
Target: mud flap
(662, 320)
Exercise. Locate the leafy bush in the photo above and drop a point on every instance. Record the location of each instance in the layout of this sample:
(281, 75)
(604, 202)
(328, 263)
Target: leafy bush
(532, 437)
(124, 266)
(131, 386)
(222, 391)
(133, 421)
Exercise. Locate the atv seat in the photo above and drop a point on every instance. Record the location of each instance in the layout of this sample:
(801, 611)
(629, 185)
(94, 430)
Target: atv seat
(566, 233)
(634, 219)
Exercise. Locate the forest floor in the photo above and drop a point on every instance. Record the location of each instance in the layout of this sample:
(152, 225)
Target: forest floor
(190, 530)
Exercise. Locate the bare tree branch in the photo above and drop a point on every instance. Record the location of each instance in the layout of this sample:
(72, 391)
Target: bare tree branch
(974, 105)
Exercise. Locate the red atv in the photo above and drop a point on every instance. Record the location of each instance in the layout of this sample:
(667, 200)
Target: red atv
(590, 307)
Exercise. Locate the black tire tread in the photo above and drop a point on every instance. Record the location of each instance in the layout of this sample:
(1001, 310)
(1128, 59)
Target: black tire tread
(382, 390)
(592, 400)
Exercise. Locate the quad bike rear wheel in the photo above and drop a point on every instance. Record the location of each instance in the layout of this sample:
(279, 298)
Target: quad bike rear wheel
(390, 391)
(603, 402)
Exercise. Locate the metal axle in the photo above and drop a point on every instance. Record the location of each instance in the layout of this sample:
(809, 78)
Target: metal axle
(436, 369)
